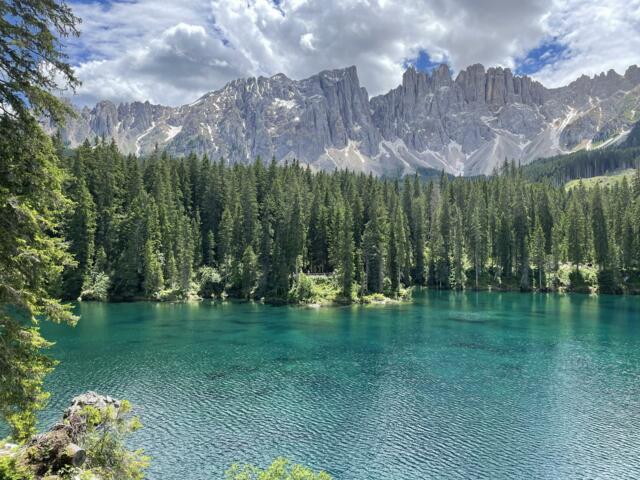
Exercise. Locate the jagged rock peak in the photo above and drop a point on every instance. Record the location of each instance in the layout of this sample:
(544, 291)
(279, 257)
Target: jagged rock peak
(465, 123)
(495, 86)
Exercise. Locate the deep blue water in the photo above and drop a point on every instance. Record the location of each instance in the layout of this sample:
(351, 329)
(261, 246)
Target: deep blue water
(451, 386)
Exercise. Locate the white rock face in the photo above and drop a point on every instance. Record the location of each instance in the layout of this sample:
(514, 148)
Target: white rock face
(465, 126)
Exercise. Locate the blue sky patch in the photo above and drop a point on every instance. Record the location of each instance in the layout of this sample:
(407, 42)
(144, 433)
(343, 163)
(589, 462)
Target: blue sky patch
(422, 62)
(545, 54)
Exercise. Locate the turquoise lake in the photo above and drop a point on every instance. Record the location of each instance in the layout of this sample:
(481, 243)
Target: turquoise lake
(450, 386)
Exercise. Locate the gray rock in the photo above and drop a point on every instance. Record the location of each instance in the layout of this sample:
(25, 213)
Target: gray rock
(467, 125)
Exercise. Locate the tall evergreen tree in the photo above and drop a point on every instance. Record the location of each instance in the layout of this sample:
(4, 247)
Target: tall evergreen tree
(576, 236)
(249, 272)
(346, 255)
(538, 246)
(599, 228)
(373, 241)
(80, 228)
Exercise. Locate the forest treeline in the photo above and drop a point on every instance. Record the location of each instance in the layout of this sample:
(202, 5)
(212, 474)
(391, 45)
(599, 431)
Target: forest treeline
(582, 164)
(163, 227)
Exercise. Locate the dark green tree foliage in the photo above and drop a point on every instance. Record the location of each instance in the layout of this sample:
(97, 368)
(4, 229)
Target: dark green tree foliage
(32, 32)
(599, 227)
(576, 232)
(32, 257)
(346, 254)
(32, 205)
(249, 272)
(80, 227)
(373, 245)
(582, 164)
(396, 250)
(160, 221)
(537, 249)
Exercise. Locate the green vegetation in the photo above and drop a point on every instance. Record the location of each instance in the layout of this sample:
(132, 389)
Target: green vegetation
(10, 470)
(280, 469)
(586, 163)
(32, 251)
(173, 228)
(104, 442)
(99, 225)
(35, 263)
(602, 181)
(88, 444)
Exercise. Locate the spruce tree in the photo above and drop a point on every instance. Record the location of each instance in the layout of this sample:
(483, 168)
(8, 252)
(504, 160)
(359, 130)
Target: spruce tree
(346, 255)
(599, 229)
(576, 237)
(80, 229)
(249, 272)
(373, 245)
(458, 272)
(395, 251)
(538, 246)
(32, 258)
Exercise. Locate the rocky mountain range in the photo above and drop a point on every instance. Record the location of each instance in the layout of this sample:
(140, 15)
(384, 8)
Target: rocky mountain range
(465, 125)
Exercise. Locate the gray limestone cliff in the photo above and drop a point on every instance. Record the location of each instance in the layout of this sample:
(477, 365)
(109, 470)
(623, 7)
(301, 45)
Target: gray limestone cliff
(467, 124)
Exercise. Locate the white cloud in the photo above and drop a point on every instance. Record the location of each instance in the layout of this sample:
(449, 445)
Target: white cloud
(306, 41)
(599, 36)
(171, 52)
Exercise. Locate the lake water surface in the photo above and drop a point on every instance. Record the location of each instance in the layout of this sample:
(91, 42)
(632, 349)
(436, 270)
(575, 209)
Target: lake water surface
(451, 386)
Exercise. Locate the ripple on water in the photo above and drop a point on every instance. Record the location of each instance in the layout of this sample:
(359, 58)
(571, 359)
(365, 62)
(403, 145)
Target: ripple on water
(461, 386)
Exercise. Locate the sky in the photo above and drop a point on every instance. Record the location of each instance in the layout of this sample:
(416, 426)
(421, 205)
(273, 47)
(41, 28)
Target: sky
(172, 52)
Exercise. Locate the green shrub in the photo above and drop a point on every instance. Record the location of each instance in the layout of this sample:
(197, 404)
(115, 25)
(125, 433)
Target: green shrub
(302, 290)
(374, 298)
(107, 455)
(96, 287)
(210, 282)
(313, 289)
(9, 470)
(280, 469)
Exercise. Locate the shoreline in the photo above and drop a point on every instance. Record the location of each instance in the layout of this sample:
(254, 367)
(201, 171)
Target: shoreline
(379, 300)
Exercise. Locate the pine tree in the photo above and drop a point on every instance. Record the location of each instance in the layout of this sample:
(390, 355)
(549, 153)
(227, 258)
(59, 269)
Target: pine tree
(225, 237)
(249, 212)
(576, 238)
(629, 241)
(373, 244)
(346, 255)
(395, 251)
(295, 236)
(559, 243)
(184, 255)
(476, 243)
(419, 241)
(209, 257)
(599, 228)
(32, 257)
(459, 276)
(379, 233)
(538, 246)
(249, 272)
(80, 228)
(504, 246)
(129, 265)
(153, 279)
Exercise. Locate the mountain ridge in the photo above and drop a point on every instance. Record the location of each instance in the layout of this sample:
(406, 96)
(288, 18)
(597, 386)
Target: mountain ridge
(463, 125)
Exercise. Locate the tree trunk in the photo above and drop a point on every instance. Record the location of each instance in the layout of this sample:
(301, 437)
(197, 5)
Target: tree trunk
(72, 454)
(539, 278)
